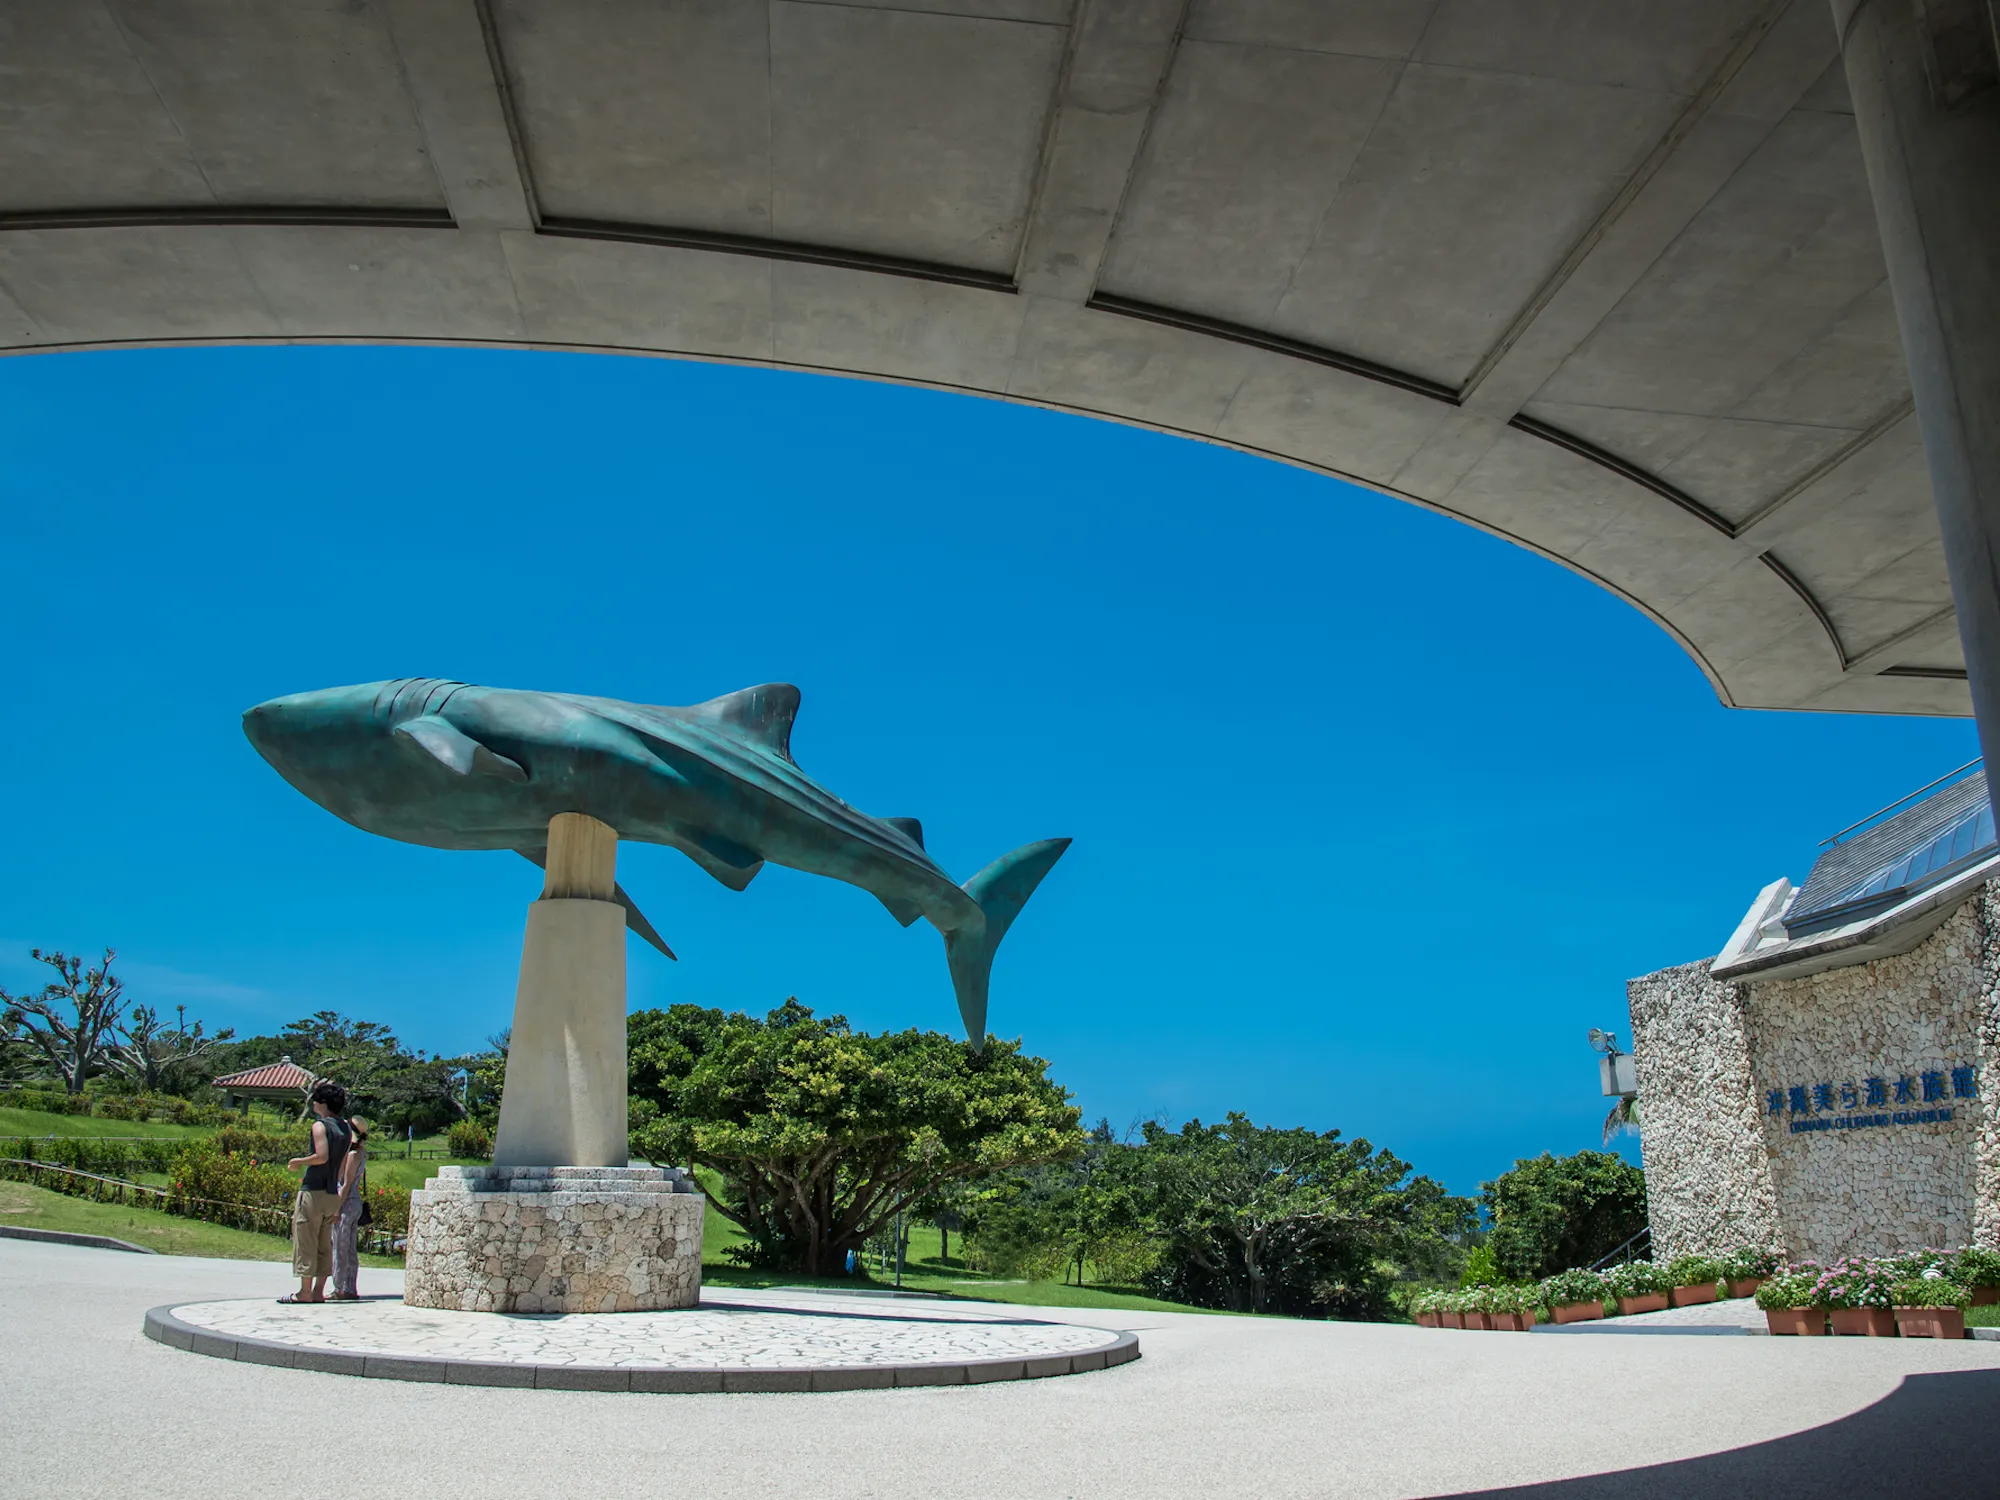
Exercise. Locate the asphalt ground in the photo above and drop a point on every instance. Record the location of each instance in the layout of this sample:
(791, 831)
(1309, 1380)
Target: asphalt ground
(1217, 1406)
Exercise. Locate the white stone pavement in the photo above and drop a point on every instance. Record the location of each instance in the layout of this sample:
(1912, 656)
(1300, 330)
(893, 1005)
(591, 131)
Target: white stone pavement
(1264, 1408)
(730, 1330)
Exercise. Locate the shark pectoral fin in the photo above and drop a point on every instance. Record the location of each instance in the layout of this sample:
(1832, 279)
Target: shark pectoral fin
(636, 920)
(728, 861)
(455, 750)
(910, 829)
(905, 912)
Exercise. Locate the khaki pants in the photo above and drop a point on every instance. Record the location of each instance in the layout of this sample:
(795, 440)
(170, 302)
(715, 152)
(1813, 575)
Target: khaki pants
(312, 1233)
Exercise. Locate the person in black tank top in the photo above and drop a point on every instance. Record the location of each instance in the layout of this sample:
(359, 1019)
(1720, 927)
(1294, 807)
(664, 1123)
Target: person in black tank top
(317, 1201)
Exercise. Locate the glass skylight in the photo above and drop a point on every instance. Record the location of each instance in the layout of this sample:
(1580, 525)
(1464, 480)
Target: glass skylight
(1971, 833)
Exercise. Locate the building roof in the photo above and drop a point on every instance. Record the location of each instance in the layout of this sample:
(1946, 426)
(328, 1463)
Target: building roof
(1925, 842)
(285, 1074)
(1877, 889)
(1640, 324)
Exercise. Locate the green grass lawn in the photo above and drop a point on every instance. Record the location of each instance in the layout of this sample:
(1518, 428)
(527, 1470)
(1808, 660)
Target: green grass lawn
(169, 1234)
(925, 1270)
(1983, 1317)
(36, 1122)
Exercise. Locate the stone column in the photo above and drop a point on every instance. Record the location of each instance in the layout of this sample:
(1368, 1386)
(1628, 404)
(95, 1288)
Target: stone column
(1925, 76)
(564, 1103)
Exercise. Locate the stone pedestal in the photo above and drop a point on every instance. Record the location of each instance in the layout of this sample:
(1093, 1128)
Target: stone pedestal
(555, 1239)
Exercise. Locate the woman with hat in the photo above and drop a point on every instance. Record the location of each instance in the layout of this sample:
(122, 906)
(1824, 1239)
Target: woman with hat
(353, 1214)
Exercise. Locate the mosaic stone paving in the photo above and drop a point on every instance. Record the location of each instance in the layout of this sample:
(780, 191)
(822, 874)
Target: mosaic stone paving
(735, 1331)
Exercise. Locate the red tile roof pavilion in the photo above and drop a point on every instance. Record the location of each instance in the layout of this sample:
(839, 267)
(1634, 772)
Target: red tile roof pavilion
(284, 1079)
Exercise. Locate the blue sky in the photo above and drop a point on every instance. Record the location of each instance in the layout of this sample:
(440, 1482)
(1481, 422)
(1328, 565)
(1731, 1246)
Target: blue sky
(1374, 814)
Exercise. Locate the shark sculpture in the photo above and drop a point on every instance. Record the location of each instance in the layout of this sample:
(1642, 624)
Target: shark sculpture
(452, 766)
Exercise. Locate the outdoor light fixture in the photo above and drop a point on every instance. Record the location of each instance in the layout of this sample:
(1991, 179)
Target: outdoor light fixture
(1616, 1070)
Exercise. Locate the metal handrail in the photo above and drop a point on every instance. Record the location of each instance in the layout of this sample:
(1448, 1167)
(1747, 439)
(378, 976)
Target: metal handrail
(1619, 1255)
(1836, 838)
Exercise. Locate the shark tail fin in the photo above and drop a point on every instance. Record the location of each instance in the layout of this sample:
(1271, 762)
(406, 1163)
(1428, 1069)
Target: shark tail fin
(1000, 891)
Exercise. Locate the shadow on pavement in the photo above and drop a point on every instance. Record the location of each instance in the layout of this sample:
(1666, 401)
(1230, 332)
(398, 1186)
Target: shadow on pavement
(1937, 1436)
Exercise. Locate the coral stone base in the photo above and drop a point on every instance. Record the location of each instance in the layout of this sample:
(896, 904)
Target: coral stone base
(555, 1240)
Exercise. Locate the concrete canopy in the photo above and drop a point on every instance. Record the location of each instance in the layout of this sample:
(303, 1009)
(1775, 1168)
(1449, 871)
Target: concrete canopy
(1600, 279)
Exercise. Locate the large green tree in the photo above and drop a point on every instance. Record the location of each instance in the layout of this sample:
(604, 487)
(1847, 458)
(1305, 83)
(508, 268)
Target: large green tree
(821, 1134)
(1550, 1213)
(1289, 1220)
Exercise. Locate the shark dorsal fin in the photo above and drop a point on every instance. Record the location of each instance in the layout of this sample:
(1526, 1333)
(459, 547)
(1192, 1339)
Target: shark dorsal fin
(909, 828)
(761, 714)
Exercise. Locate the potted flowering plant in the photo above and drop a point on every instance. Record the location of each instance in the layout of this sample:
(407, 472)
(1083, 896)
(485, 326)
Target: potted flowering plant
(1789, 1298)
(1513, 1309)
(1745, 1269)
(1639, 1286)
(1931, 1306)
(1692, 1279)
(1575, 1296)
(1426, 1308)
(1472, 1307)
(1977, 1269)
(1451, 1309)
(1859, 1292)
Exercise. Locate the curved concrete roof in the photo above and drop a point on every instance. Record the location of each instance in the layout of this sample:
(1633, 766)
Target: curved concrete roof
(1603, 279)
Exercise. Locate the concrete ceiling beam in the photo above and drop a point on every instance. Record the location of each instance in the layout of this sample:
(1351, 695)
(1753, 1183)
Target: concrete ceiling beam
(1119, 53)
(456, 81)
(1770, 65)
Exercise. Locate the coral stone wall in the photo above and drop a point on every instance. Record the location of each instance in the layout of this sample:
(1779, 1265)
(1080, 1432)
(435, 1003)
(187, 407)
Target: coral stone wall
(1708, 1181)
(1831, 1114)
(1876, 1188)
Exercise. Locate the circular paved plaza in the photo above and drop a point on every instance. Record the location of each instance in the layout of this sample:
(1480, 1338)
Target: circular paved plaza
(1219, 1406)
(734, 1341)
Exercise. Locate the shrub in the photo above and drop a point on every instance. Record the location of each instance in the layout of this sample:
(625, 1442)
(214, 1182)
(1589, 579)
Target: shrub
(1974, 1266)
(278, 1146)
(469, 1138)
(1855, 1281)
(46, 1101)
(1481, 1268)
(125, 1107)
(1789, 1287)
(1638, 1278)
(228, 1187)
(1750, 1265)
(1566, 1287)
(1694, 1270)
(1929, 1291)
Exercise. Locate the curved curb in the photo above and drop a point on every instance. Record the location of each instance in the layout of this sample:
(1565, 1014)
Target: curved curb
(163, 1327)
(66, 1237)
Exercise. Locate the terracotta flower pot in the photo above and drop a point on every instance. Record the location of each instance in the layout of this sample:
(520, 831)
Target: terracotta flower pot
(1451, 1320)
(1688, 1296)
(1796, 1320)
(1930, 1322)
(1985, 1296)
(1509, 1322)
(1746, 1287)
(1645, 1302)
(1579, 1312)
(1476, 1320)
(1865, 1322)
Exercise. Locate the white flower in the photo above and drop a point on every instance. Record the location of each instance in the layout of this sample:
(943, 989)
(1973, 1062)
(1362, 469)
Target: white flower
(1933, 1274)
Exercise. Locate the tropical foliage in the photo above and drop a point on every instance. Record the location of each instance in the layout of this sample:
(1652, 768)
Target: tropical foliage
(819, 1134)
(1551, 1212)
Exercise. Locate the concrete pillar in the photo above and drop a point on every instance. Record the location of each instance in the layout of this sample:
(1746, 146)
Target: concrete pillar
(1925, 76)
(564, 1103)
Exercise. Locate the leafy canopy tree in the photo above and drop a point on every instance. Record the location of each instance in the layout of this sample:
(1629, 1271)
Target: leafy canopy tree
(1551, 1213)
(1288, 1220)
(72, 1022)
(821, 1133)
(1090, 1212)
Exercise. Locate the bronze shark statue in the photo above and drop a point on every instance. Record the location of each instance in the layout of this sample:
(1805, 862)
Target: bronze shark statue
(453, 766)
